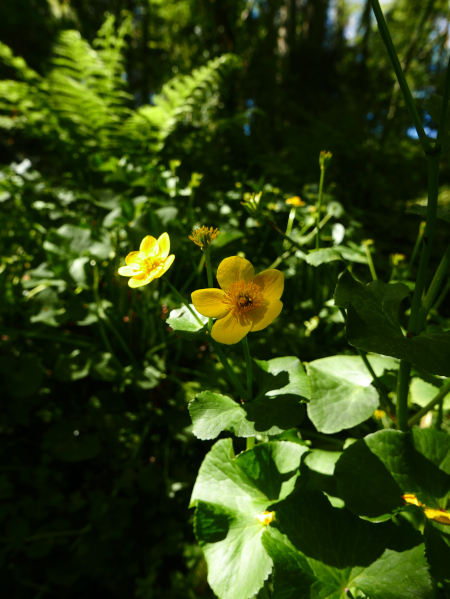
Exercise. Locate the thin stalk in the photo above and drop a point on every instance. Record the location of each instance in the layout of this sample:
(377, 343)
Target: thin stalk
(386, 400)
(413, 324)
(280, 232)
(433, 184)
(445, 99)
(415, 249)
(209, 274)
(291, 220)
(370, 261)
(322, 223)
(183, 301)
(402, 395)
(228, 369)
(430, 405)
(384, 31)
(248, 364)
(435, 285)
(440, 415)
(441, 298)
(319, 205)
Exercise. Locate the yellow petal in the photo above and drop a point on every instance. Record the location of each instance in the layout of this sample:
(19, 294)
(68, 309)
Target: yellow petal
(164, 245)
(167, 264)
(148, 244)
(209, 302)
(140, 281)
(132, 257)
(437, 515)
(411, 498)
(271, 282)
(234, 269)
(265, 315)
(128, 271)
(231, 329)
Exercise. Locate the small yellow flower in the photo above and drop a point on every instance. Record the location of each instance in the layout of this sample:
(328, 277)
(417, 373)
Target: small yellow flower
(379, 415)
(203, 236)
(295, 201)
(324, 158)
(244, 303)
(150, 262)
(440, 516)
(266, 517)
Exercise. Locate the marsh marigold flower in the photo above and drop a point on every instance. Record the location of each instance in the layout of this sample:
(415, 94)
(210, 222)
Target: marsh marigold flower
(440, 516)
(295, 201)
(244, 303)
(265, 518)
(150, 262)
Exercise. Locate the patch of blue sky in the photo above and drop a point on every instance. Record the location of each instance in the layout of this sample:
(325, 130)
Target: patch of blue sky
(412, 133)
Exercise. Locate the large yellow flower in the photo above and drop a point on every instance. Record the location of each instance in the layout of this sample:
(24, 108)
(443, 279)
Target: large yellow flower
(150, 262)
(245, 303)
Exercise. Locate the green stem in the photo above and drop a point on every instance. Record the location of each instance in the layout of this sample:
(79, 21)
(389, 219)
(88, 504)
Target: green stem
(430, 405)
(445, 99)
(280, 232)
(209, 274)
(319, 205)
(441, 298)
(402, 395)
(250, 444)
(183, 301)
(413, 324)
(432, 292)
(291, 220)
(433, 184)
(416, 249)
(248, 364)
(370, 262)
(426, 145)
(387, 403)
(228, 369)
(440, 415)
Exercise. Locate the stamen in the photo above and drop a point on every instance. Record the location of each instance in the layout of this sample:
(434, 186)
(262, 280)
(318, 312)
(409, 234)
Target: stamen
(243, 297)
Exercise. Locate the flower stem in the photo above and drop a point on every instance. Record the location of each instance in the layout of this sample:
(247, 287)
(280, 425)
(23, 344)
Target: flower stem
(185, 302)
(319, 205)
(209, 274)
(430, 405)
(402, 395)
(370, 261)
(385, 399)
(228, 369)
(432, 292)
(416, 249)
(382, 26)
(250, 443)
(248, 364)
(290, 220)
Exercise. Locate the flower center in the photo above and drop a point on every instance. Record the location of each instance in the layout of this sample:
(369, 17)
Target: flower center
(243, 297)
(146, 264)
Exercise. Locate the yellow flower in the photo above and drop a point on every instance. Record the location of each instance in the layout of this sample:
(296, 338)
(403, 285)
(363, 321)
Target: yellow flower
(266, 517)
(150, 262)
(440, 516)
(295, 201)
(244, 303)
(203, 236)
(379, 415)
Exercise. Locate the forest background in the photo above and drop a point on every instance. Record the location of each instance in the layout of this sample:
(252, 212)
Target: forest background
(127, 118)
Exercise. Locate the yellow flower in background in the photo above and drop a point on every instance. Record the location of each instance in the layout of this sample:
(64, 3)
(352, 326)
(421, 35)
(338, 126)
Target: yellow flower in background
(295, 201)
(150, 262)
(379, 415)
(244, 303)
(203, 236)
(440, 516)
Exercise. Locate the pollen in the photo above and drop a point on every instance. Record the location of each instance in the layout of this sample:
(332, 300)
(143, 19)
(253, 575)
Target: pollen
(243, 297)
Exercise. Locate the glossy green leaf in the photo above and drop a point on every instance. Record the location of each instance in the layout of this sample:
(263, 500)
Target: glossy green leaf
(229, 493)
(373, 473)
(183, 322)
(282, 385)
(381, 560)
(342, 393)
(373, 325)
